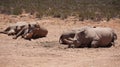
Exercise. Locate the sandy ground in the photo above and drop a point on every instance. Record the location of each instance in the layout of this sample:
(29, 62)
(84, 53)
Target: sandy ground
(47, 52)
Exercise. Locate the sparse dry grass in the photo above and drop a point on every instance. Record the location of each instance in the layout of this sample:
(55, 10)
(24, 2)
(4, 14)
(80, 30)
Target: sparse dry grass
(86, 9)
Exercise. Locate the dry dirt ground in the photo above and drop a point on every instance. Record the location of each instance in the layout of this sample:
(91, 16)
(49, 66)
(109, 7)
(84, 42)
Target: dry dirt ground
(47, 52)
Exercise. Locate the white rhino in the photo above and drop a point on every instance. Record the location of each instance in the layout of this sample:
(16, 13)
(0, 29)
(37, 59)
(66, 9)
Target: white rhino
(94, 37)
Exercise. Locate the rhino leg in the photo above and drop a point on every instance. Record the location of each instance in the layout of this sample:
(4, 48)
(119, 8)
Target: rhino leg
(73, 43)
(11, 32)
(18, 34)
(68, 42)
(6, 30)
(110, 44)
(3, 32)
(76, 43)
(94, 44)
(28, 36)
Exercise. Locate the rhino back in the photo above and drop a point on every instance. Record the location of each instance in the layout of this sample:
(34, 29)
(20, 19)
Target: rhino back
(41, 31)
(105, 35)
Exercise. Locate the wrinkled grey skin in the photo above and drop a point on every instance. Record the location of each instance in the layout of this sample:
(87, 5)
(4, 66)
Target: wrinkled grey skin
(35, 32)
(94, 37)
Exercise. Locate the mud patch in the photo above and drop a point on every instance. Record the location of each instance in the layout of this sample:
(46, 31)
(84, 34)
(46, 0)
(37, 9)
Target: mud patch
(53, 44)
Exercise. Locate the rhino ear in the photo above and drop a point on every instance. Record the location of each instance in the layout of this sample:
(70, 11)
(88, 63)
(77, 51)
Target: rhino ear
(82, 32)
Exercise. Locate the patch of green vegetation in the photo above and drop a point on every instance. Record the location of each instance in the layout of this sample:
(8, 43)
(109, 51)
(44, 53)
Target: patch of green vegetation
(87, 9)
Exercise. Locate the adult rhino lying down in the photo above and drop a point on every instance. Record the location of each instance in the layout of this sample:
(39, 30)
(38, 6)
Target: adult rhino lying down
(20, 29)
(94, 37)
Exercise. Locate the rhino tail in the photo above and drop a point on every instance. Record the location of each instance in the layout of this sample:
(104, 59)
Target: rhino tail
(115, 36)
(3, 32)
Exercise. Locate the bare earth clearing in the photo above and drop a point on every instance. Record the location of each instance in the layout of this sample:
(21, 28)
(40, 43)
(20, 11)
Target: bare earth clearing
(47, 52)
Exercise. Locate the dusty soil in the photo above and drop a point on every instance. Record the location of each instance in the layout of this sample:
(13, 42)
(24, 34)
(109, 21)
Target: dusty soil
(47, 52)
